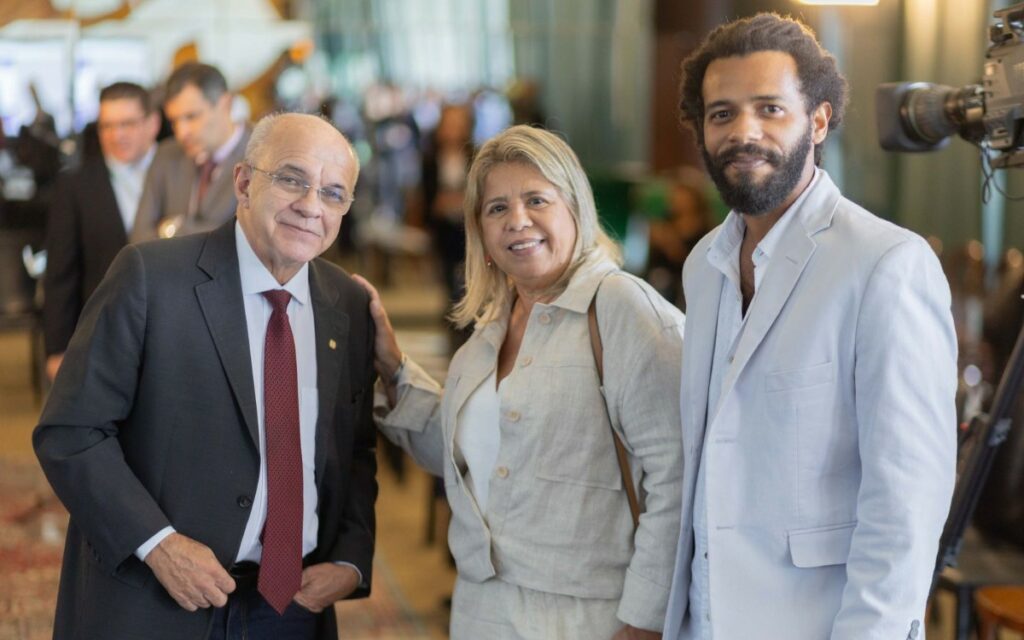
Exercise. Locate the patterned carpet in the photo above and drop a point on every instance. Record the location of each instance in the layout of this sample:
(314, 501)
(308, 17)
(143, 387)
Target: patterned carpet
(32, 527)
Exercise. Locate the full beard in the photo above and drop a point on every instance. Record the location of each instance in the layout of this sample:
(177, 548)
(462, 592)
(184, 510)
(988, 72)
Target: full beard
(746, 195)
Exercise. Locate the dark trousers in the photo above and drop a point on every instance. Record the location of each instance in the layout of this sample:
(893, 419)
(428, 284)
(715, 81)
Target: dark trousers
(247, 616)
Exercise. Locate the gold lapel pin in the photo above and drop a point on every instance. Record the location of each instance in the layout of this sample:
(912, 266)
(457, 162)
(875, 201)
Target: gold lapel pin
(332, 344)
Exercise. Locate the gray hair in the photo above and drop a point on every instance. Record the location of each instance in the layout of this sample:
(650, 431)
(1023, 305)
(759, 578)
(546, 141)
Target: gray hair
(488, 290)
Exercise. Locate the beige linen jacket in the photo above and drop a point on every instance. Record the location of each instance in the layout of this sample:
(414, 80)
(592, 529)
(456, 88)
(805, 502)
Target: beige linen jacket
(557, 518)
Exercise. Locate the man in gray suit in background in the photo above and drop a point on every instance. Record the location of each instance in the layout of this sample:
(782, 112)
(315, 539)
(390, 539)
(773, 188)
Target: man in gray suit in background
(189, 186)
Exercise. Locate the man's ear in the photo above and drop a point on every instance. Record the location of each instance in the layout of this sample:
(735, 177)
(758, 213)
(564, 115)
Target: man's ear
(819, 122)
(243, 180)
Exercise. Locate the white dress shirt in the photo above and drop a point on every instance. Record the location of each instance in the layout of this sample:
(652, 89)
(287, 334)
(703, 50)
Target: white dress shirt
(127, 179)
(724, 255)
(256, 279)
(478, 438)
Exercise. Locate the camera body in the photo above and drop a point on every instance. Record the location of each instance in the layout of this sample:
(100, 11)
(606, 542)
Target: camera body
(920, 116)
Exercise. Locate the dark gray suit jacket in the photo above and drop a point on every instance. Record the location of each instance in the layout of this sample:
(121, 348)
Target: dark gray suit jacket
(168, 192)
(152, 422)
(84, 232)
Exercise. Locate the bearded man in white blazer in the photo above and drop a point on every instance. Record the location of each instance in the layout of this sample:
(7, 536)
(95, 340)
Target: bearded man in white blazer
(819, 370)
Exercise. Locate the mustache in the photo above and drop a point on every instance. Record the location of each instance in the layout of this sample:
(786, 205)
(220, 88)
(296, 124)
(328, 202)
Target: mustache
(749, 149)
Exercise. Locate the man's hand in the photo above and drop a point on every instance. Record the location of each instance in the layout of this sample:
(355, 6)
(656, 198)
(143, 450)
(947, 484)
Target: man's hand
(632, 633)
(190, 573)
(324, 584)
(53, 364)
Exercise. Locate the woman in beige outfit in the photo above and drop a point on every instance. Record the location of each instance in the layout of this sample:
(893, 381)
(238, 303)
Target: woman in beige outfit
(541, 530)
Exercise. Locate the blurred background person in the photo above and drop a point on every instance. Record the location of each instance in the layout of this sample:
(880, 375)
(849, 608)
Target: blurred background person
(687, 218)
(189, 186)
(446, 161)
(94, 209)
(541, 530)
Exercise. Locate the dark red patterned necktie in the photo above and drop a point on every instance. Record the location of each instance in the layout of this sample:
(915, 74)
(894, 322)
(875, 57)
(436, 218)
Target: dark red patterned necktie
(281, 564)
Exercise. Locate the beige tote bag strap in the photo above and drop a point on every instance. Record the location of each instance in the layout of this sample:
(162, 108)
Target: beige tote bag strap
(620, 449)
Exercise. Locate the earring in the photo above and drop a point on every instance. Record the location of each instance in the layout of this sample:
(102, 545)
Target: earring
(488, 261)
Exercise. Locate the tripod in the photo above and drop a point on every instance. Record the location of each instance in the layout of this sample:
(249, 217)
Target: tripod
(985, 435)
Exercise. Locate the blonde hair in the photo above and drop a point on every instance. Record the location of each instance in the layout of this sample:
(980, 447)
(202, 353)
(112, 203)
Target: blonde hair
(488, 289)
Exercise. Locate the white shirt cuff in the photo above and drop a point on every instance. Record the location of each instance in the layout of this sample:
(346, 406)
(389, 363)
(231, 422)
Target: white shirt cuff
(354, 568)
(150, 544)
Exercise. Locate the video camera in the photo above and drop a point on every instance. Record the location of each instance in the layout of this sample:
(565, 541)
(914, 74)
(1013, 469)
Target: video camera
(920, 116)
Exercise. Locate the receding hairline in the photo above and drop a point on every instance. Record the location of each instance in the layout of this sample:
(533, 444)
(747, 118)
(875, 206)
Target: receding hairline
(262, 133)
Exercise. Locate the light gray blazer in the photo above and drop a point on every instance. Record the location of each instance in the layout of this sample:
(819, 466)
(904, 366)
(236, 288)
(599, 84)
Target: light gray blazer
(557, 517)
(167, 192)
(830, 461)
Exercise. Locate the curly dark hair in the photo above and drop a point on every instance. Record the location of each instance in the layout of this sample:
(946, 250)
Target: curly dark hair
(820, 80)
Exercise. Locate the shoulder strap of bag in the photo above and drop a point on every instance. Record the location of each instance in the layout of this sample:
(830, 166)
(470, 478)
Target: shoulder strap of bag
(620, 449)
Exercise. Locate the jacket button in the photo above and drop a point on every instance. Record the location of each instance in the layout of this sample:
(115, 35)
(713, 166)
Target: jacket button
(544, 318)
(525, 362)
(502, 472)
(244, 501)
(513, 416)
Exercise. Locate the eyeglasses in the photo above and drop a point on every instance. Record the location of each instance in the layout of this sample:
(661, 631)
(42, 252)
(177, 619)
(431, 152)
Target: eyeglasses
(332, 198)
(129, 125)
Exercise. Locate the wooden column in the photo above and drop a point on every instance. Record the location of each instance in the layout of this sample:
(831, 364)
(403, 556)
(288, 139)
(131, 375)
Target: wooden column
(678, 27)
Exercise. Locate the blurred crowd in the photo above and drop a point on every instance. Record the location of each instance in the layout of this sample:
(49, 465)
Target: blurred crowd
(415, 147)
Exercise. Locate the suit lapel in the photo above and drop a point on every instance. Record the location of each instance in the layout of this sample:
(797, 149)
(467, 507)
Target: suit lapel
(220, 300)
(474, 372)
(698, 351)
(331, 327)
(793, 252)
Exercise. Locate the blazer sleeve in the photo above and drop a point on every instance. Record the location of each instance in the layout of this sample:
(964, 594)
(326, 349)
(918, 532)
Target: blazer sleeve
(642, 338)
(905, 380)
(355, 542)
(415, 422)
(62, 282)
(77, 436)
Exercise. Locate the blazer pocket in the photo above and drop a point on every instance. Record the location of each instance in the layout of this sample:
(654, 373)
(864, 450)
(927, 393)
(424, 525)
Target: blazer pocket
(821, 546)
(132, 572)
(800, 378)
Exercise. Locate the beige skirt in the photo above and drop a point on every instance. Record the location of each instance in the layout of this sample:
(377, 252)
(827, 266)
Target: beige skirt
(497, 610)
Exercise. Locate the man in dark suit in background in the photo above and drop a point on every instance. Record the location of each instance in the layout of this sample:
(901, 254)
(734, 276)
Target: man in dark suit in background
(213, 416)
(190, 186)
(94, 210)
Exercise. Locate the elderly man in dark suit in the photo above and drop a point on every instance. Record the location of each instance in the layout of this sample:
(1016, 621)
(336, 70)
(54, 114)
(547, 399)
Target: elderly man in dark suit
(94, 210)
(189, 187)
(210, 429)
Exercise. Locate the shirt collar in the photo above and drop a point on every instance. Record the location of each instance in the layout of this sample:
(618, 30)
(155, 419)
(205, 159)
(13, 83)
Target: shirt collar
(222, 152)
(578, 293)
(139, 166)
(726, 243)
(256, 278)
(583, 285)
(772, 238)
